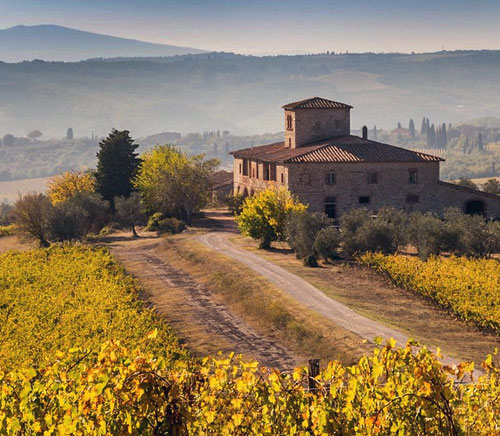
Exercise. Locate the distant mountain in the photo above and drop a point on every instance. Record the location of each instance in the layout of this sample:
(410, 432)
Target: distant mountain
(57, 43)
(243, 94)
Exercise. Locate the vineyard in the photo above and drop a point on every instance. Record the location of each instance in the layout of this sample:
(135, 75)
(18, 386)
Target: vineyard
(468, 287)
(66, 297)
(81, 355)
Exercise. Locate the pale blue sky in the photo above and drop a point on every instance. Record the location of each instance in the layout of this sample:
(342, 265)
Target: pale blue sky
(272, 26)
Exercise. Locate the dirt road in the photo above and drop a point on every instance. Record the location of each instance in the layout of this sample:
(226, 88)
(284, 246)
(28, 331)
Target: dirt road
(193, 303)
(305, 293)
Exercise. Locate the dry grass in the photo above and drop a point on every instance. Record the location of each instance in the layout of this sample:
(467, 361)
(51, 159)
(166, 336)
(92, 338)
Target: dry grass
(15, 242)
(262, 305)
(371, 295)
(10, 190)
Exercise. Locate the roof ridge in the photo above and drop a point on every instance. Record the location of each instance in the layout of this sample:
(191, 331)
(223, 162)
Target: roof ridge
(316, 103)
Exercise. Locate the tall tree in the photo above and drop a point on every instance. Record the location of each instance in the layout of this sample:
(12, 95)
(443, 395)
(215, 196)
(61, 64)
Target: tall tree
(444, 135)
(374, 133)
(411, 128)
(399, 125)
(423, 129)
(480, 143)
(117, 165)
(69, 133)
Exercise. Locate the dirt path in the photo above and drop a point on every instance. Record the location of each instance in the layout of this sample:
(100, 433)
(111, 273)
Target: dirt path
(305, 293)
(194, 303)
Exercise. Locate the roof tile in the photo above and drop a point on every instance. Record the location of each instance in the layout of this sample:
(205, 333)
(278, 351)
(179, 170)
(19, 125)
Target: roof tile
(316, 103)
(338, 149)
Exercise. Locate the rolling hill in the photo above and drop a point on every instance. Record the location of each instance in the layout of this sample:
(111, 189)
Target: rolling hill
(57, 43)
(243, 94)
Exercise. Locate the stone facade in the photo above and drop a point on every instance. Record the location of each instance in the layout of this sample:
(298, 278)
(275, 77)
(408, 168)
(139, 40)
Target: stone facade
(347, 172)
(303, 126)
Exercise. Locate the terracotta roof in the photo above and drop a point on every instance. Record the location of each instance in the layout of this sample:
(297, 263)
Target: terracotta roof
(316, 103)
(338, 149)
(221, 178)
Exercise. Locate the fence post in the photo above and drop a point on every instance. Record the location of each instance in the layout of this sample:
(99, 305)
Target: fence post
(313, 372)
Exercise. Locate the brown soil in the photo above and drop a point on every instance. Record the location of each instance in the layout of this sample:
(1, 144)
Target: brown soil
(202, 320)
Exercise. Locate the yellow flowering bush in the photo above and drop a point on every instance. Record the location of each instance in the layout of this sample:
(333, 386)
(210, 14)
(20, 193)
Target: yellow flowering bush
(263, 215)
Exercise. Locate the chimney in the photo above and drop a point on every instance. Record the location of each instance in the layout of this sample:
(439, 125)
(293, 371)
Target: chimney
(365, 132)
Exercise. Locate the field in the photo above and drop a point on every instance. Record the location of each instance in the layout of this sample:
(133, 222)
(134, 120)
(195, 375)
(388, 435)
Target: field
(81, 355)
(10, 190)
(470, 288)
(61, 298)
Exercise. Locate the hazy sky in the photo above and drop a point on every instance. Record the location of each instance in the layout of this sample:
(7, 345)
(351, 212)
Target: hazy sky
(272, 26)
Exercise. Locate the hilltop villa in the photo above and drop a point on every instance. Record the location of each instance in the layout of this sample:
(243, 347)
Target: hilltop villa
(333, 171)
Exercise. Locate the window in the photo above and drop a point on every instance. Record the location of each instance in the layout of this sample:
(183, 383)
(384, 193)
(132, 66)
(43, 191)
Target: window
(364, 199)
(245, 167)
(290, 142)
(272, 172)
(253, 173)
(282, 178)
(257, 169)
(412, 199)
(289, 125)
(413, 177)
(240, 168)
(330, 178)
(372, 178)
(330, 207)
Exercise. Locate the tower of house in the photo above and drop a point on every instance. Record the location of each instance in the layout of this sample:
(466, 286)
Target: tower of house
(315, 119)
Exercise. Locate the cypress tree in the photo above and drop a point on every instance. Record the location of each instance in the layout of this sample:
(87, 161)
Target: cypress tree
(444, 136)
(117, 165)
(423, 129)
(399, 125)
(480, 143)
(411, 128)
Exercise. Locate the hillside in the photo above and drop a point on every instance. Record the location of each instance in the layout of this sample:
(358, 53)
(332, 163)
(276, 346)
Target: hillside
(57, 43)
(242, 94)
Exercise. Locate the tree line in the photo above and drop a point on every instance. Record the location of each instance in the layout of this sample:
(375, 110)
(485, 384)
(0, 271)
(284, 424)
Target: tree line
(162, 188)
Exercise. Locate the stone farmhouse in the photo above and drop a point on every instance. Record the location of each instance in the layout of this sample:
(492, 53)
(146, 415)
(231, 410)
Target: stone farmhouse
(333, 171)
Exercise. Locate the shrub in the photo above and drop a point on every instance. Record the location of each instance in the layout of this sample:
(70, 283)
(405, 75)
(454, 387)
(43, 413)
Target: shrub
(153, 221)
(264, 215)
(77, 217)
(384, 232)
(234, 203)
(301, 230)
(350, 224)
(326, 243)
(31, 214)
(6, 217)
(67, 222)
(171, 225)
(129, 212)
(425, 232)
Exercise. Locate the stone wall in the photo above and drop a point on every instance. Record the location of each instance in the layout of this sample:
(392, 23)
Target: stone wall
(246, 184)
(392, 187)
(310, 125)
